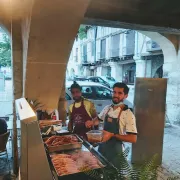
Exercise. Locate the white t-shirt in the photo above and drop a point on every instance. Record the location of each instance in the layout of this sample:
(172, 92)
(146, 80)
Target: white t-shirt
(127, 122)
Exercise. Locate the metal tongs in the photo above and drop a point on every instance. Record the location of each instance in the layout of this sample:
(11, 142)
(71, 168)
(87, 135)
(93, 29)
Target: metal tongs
(48, 131)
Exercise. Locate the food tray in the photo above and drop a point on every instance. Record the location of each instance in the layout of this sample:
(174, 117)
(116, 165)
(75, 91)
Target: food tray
(78, 175)
(69, 146)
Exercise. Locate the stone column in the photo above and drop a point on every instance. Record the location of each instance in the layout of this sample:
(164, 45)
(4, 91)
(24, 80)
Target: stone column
(54, 25)
(140, 67)
(16, 47)
(116, 71)
(86, 71)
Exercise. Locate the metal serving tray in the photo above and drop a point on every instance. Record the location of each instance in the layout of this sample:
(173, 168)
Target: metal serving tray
(79, 175)
(69, 146)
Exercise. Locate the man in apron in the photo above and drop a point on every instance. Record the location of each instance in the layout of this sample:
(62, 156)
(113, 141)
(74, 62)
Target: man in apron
(81, 113)
(119, 125)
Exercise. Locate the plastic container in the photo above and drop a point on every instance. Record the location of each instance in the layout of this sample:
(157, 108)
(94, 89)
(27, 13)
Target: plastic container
(95, 136)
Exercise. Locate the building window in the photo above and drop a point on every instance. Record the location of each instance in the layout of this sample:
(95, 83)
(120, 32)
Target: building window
(109, 71)
(76, 38)
(103, 49)
(115, 45)
(131, 76)
(76, 57)
(92, 48)
(84, 53)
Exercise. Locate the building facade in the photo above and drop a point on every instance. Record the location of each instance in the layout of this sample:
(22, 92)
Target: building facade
(120, 53)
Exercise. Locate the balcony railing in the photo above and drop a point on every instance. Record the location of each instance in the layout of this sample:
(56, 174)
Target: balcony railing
(152, 46)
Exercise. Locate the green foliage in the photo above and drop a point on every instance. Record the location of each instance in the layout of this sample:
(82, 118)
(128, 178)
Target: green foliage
(126, 171)
(5, 51)
(82, 33)
(174, 178)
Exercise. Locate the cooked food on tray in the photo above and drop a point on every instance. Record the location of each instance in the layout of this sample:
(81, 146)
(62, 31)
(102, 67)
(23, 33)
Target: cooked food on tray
(61, 140)
(43, 123)
(64, 164)
(77, 162)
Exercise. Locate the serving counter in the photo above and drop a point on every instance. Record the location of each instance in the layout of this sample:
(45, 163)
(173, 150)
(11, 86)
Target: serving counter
(38, 163)
(86, 149)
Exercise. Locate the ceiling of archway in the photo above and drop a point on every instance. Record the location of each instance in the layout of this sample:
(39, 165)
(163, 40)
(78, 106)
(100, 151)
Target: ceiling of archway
(127, 13)
(161, 13)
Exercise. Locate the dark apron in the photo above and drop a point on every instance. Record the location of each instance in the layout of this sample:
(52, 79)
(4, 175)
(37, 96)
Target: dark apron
(112, 148)
(79, 116)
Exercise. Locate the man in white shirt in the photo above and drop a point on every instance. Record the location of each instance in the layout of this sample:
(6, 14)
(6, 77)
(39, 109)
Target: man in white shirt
(119, 124)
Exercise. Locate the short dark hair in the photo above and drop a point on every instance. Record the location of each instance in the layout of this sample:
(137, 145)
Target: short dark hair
(75, 85)
(122, 85)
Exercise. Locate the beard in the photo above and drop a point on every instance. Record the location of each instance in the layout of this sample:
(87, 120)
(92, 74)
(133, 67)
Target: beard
(77, 99)
(116, 100)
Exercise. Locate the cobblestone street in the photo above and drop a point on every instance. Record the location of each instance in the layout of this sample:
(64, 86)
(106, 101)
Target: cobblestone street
(171, 155)
(171, 149)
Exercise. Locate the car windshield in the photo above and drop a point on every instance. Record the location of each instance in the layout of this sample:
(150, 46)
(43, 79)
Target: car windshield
(110, 79)
(101, 80)
(102, 93)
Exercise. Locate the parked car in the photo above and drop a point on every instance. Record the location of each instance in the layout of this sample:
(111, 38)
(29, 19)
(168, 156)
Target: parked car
(98, 79)
(99, 94)
(79, 78)
(109, 79)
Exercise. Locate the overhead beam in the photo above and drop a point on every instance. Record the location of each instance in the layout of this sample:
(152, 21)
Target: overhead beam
(135, 14)
(125, 25)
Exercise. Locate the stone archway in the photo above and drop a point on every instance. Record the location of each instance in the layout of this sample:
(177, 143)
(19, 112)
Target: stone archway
(169, 46)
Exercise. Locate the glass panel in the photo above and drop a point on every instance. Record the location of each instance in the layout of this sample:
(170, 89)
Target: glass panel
(87, 92)
(101, 80)
(102, 93)
(67, 97)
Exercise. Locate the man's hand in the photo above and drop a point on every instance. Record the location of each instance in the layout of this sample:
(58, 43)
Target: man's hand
(107, 136)
(89, 124)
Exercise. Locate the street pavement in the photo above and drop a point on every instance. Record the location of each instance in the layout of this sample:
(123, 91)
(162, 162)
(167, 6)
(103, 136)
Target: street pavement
(171, 146)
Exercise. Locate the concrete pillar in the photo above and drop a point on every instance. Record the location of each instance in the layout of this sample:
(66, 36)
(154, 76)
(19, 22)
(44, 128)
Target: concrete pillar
(148, 69)
(54, 25)
(78, 70)
(86, 71)
(16, 47)
(149, 102)
(116, 71)
(140, 67)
